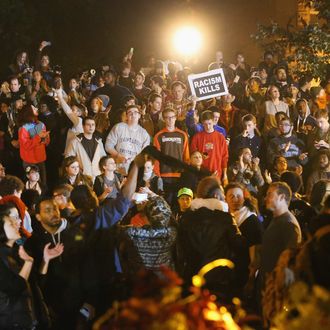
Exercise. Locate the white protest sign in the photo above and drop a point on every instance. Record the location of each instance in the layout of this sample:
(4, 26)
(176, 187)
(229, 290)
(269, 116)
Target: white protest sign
(208, 84)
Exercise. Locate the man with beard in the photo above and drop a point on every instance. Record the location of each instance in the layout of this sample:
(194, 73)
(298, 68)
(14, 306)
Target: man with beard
(281, 81)
(298, 207)
(48, 227)
(284, 231)
(85, 273)
(247, 171)
(304, 122)
(288, 146)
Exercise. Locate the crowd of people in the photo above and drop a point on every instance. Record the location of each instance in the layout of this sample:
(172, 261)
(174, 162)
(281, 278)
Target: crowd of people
(121, 169)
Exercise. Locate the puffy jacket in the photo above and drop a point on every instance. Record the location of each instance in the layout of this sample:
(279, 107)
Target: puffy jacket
(152, 245)
(207, 233)
(32, 148)
(147, 247)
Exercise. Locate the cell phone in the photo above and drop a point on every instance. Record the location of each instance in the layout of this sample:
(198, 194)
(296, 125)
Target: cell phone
(139, 197)
(85, 312)
(131, 51)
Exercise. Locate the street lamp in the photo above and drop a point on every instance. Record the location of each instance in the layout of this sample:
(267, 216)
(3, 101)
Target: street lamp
(187, 41)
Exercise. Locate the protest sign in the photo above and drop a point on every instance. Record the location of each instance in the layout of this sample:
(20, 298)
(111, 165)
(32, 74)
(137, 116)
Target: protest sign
(208, 84)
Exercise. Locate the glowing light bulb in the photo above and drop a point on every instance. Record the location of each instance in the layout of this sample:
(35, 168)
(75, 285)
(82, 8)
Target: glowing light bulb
(187, 40)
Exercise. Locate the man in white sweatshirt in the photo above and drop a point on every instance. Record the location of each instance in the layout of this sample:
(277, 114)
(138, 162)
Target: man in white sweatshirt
(126, 140)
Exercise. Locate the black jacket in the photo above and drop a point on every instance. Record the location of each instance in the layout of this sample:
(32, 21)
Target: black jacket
(16, 309)
(206, 233)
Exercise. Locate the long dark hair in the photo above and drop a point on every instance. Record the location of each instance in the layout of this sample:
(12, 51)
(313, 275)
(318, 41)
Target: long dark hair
(249, 201)
(26, 115)
(4, 212)
(80, 176)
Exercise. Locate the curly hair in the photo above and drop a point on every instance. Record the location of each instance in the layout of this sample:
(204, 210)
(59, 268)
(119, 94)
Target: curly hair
(26, 115)
(249, 201)
(9, 184)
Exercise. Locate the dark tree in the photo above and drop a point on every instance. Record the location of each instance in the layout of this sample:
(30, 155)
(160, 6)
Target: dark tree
(305, 46)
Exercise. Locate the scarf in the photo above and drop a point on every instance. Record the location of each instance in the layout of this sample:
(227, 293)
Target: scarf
(147, 175)
(242, 214)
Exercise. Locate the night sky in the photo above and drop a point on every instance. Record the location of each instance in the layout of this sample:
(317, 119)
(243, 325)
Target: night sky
(89, 33)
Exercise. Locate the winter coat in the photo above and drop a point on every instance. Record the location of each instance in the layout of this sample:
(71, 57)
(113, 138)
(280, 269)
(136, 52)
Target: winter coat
(146, 247)
(207, 233)
(152, 245)
(16, 310)
(31, 146)
(91, 168)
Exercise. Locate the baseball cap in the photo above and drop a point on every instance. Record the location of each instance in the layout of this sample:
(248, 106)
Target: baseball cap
(186, 191)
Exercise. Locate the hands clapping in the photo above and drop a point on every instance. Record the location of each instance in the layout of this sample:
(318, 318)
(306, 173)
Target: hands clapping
(53, 253)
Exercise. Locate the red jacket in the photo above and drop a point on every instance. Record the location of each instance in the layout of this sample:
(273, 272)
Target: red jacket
(214, 148)
(32, 149)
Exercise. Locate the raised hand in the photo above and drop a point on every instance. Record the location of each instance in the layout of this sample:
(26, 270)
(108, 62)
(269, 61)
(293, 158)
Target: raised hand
(255, 163)
(303, 156)
(241, 163)
(268, 178)
(53, 253)
(44, 134)
(44, 44)
(287, 147)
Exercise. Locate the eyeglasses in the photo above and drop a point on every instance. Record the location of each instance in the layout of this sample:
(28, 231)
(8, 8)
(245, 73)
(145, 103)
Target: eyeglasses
(169, 117)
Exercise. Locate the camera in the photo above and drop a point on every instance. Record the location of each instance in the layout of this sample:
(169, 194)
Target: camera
(57, 69)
